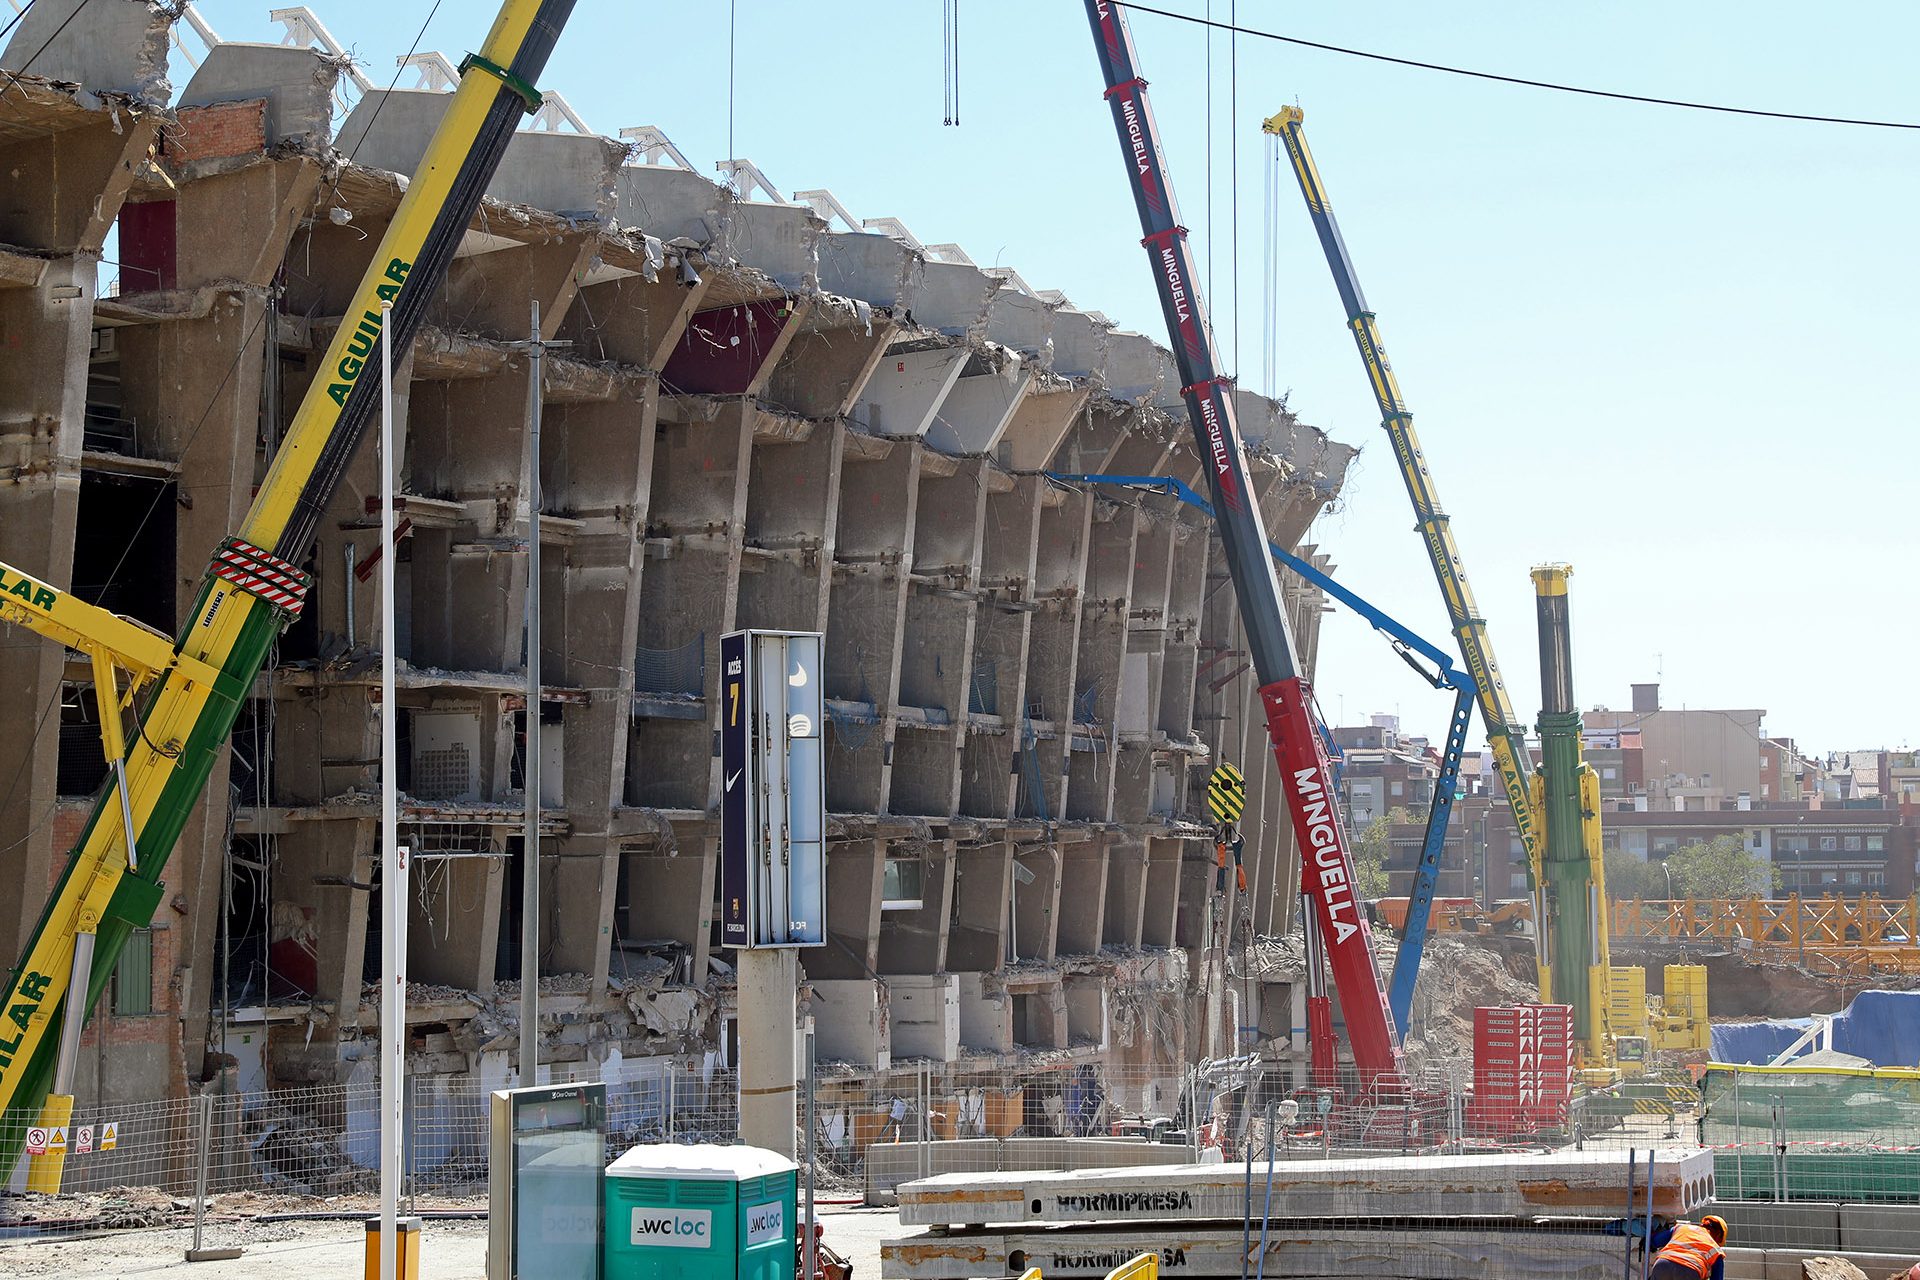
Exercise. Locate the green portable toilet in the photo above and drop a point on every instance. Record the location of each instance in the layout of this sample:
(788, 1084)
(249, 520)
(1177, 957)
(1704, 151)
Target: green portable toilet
(705, 1212)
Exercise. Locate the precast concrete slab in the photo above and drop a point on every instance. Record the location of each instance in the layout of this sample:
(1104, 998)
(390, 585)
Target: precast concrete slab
(1561, 1182)
(1295, 1249)
(568, 173)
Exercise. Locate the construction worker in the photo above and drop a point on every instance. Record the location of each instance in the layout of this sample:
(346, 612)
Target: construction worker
(1689, 1252)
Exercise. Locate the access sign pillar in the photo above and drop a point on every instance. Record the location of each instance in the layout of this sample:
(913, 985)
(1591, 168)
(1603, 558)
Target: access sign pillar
(769, 982)
(773, 878)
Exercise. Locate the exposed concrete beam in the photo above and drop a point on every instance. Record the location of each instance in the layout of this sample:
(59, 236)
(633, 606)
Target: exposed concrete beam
(981, 404)
(906, 390)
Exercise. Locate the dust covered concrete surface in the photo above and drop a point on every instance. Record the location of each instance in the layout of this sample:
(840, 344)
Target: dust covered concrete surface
(335, 1250)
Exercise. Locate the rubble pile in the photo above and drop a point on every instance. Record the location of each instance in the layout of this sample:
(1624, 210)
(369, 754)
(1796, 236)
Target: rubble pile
(1456, 977)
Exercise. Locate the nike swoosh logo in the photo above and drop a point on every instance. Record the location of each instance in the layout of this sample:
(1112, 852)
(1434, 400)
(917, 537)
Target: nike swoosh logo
(735, 778)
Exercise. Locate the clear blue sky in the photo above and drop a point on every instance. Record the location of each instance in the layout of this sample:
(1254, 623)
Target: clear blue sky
(1672, 348)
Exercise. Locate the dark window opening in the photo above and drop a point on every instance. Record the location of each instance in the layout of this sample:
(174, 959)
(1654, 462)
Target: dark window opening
(83, 765)
(301, 642)
(263, 960)
(506, 959)
(123, 553)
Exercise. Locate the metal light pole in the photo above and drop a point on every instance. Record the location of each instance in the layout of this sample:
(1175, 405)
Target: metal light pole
(530, 842)
(393, 875)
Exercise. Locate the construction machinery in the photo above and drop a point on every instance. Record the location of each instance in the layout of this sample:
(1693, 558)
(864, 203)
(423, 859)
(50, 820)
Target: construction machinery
(1566, 792)
(1338, 935)
(1566, 882)
(1412, 925)
(169, 705)
(1505, 734)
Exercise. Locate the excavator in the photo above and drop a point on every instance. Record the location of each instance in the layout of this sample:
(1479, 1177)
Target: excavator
(1339, 937)
(169, 704)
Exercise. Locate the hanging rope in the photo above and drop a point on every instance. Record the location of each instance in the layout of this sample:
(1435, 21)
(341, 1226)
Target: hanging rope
(950, 60)
(1270, 273)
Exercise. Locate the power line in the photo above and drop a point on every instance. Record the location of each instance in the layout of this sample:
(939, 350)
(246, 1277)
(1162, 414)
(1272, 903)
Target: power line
(16, 19)
(13, 77)
(1519, 80)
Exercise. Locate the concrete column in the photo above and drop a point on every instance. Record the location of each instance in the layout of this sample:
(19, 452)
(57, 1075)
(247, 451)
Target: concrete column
(1002, 630)
(977, 939)
(1083, 896)
(1126, 907)
(915, 941)
(936, 663)
(326, 871)
(670, 891)
(1101, 645)
(768, 986)
(1158, 921)
(793, 498)
(206, 415)
(1036, 904)
(596, 462)
(82, 164)
(854, 871)
(1047, 718)
(1187, 588)
(873, 551)
(688, 598)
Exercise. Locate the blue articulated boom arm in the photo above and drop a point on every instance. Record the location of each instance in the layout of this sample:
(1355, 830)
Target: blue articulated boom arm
(1406, 964)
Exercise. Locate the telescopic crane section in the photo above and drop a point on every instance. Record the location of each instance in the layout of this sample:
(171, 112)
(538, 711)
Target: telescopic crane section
(252, 590)
(1312, 800)
(1574, 929)
(1505, 734)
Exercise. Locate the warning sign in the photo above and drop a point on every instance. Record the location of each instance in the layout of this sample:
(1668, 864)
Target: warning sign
(109, 1135)
(82, 1139)
(57, 1138)
(36, 1141)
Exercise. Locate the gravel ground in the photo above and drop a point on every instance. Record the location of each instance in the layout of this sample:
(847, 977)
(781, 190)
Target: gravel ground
(335, 1250)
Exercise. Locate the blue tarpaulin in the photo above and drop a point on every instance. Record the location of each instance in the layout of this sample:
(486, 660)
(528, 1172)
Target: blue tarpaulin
(1881, 1026)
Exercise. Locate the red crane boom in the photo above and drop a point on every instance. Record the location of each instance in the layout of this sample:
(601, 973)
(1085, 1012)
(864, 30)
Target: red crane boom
(1326, 866)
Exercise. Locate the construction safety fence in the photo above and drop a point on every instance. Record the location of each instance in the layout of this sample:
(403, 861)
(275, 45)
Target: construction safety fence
(285, 1150)
(1807, 1133)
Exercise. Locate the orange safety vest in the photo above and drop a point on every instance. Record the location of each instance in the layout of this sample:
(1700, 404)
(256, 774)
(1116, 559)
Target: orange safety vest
(1692, 1247)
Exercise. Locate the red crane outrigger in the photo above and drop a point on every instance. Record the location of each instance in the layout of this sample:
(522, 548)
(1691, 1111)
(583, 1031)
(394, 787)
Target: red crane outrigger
(1326, 866)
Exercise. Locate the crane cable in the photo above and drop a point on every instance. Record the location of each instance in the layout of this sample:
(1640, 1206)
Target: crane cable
(1522, 81)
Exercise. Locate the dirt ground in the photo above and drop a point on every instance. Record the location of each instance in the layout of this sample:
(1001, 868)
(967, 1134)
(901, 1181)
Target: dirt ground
(336, 1250)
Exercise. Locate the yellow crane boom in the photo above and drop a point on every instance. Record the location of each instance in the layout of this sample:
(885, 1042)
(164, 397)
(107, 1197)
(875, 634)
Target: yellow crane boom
(1506, 734)
(183, 695)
